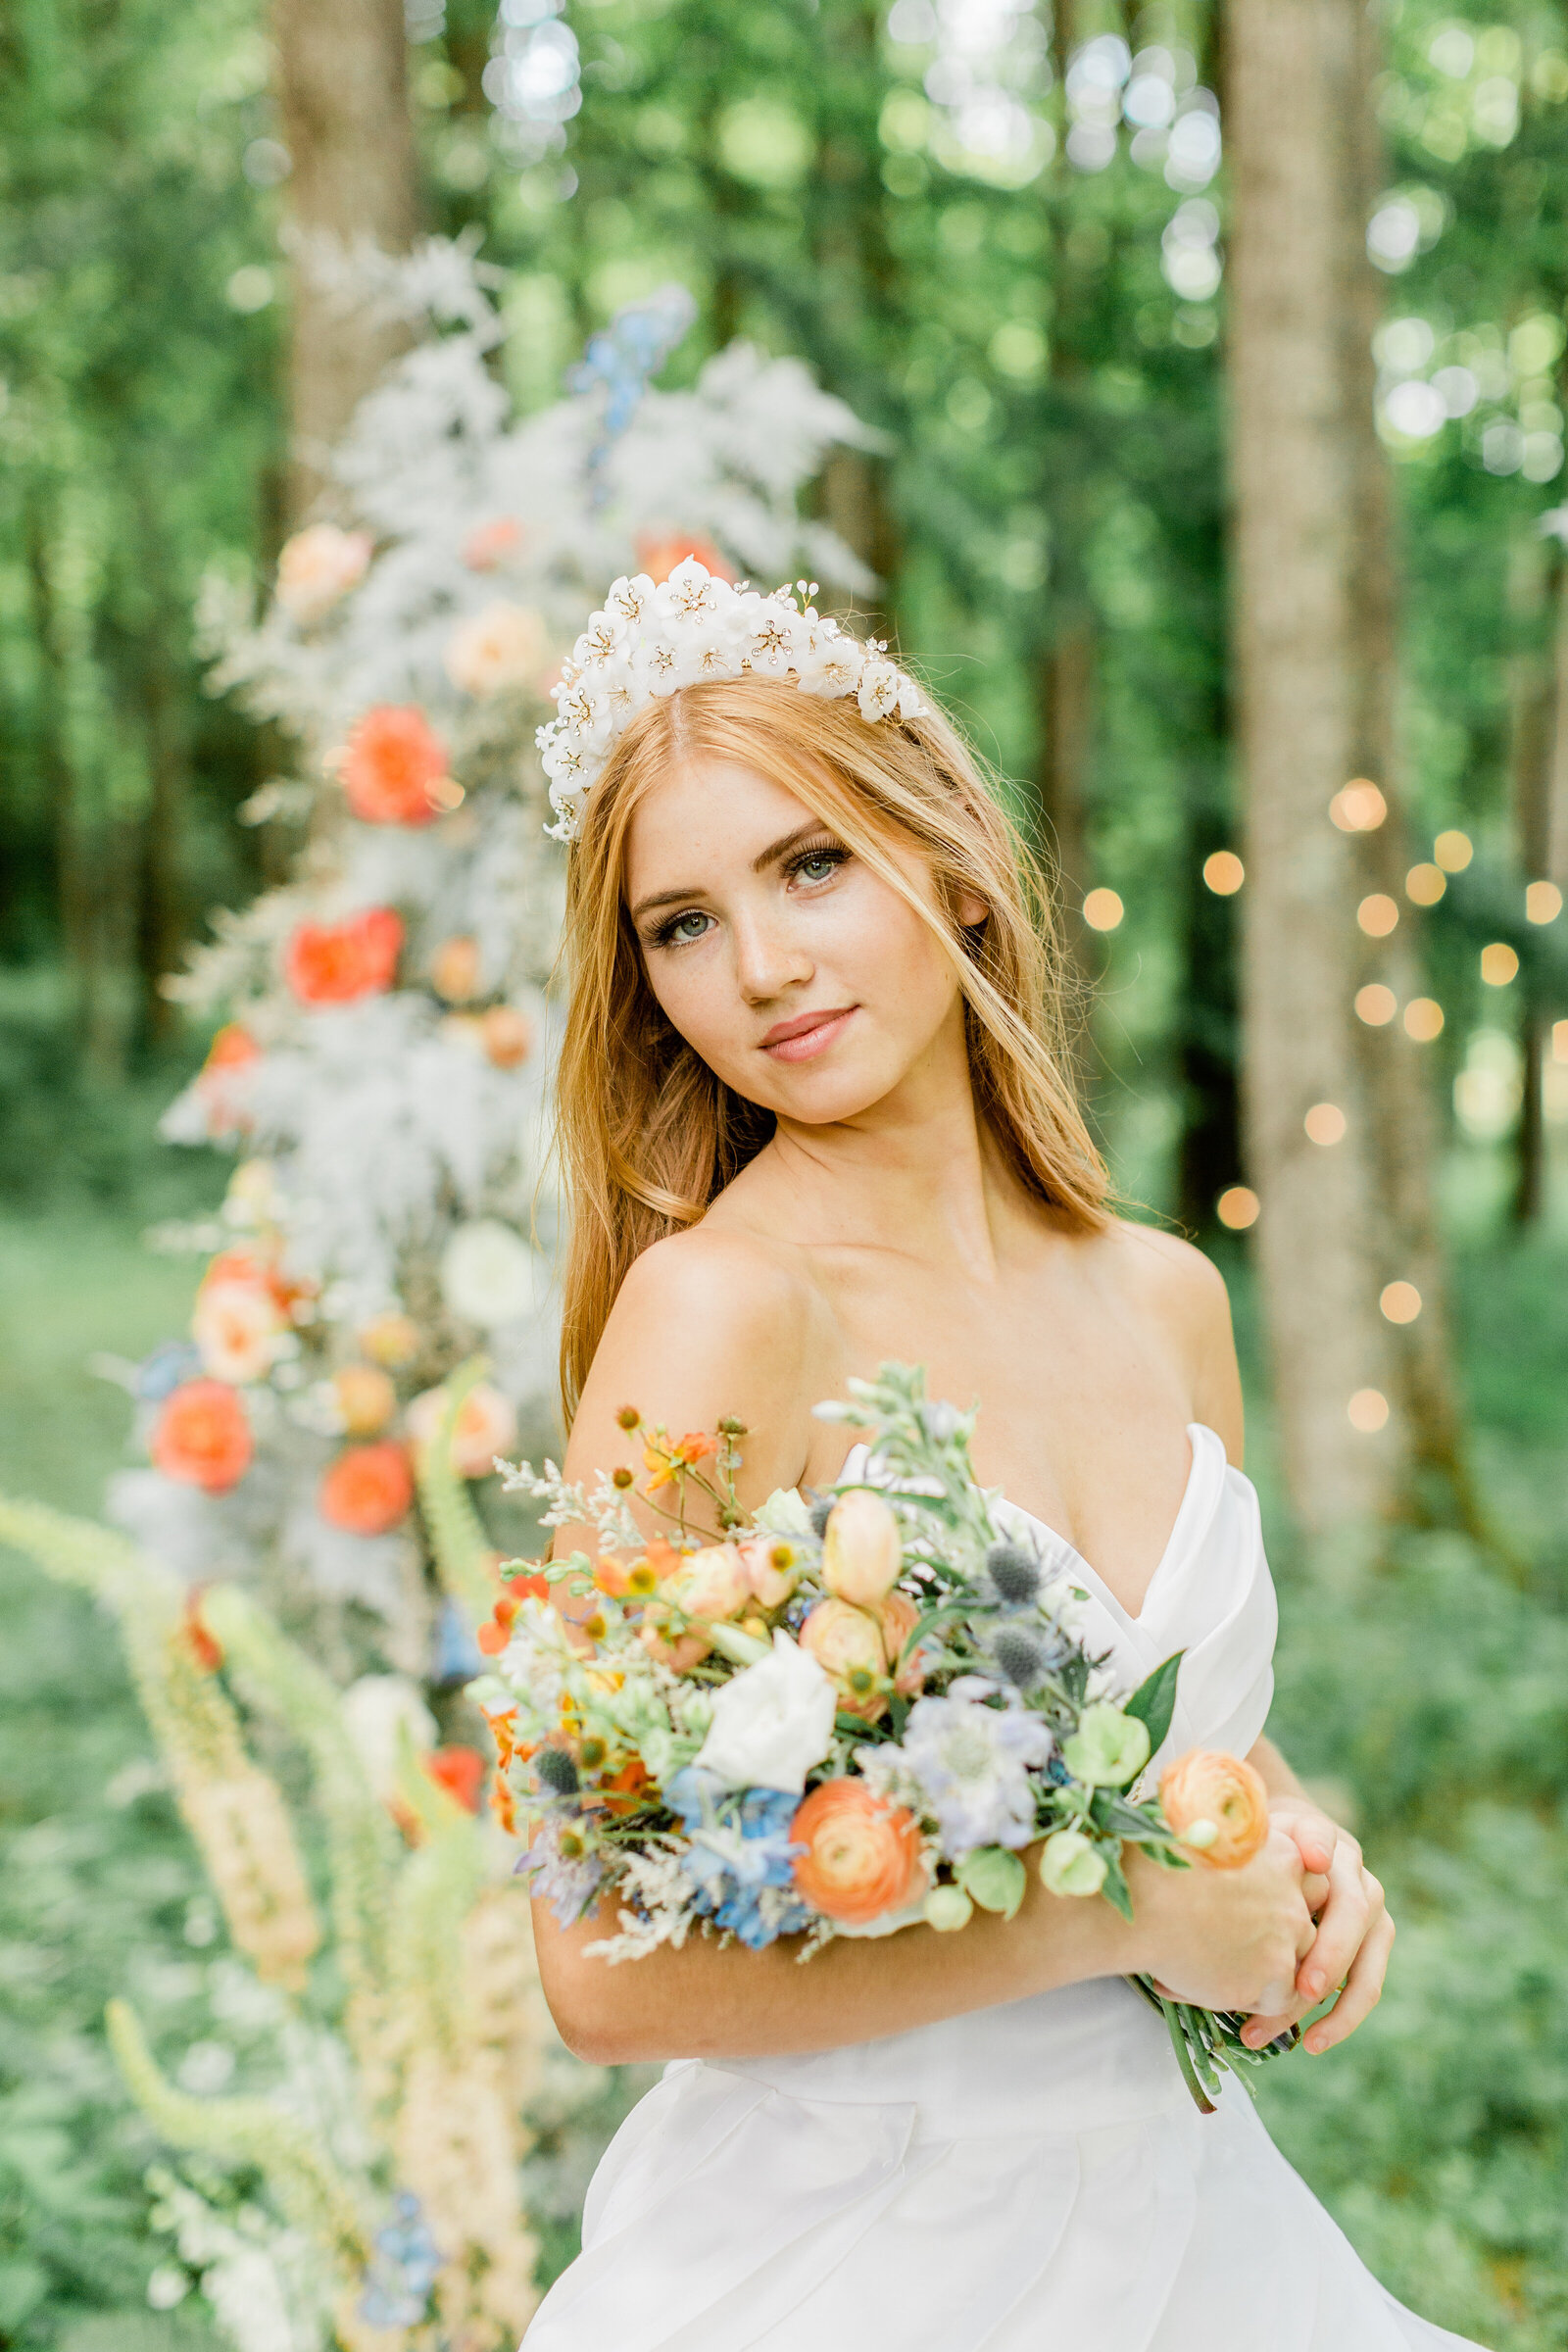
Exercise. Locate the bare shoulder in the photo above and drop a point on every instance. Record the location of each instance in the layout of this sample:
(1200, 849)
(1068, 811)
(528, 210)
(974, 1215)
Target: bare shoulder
(1185, 1293)
(709, 1323)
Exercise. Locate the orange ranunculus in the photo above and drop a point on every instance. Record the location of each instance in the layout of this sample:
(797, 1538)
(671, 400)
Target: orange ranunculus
(1217, 1806)
(863, 1855)
(660, 557)
(367, 1489)
(202, 1436)
(460, 1770)
(773, 1568)
(392, 766)
(337, 963)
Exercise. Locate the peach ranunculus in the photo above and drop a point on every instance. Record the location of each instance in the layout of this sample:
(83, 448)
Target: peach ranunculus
(490, 543)
(773, 1568)
(863, 1855)
(202, 1436)
(711, 1582)
(862, 1553)
(366, 1398)
(318, 567)
(337, 963)
(1217, 1806)
(504, 646)
(506, 1036)
(847, 1643)
(393, 767)
(660, 557)
(899, 1617)
(367, 1489)
(238, 1330)
(486, 1425)
(454, 972)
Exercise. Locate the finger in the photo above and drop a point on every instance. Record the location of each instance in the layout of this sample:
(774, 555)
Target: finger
(1315, 1890)
(1341, 1928)
(1317, 1838)
(1363, 1990)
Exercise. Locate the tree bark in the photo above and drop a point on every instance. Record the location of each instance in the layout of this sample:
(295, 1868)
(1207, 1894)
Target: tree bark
(344, 118)
(1401, 1111)
(1291, 66)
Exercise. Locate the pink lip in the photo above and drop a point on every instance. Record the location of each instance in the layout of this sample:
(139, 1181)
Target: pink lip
(809, 1033)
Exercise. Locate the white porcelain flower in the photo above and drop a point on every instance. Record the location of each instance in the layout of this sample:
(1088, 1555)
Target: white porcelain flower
(772, 1722)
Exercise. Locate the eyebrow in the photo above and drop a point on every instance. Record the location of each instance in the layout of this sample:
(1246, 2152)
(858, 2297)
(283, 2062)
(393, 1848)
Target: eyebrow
(774, 854)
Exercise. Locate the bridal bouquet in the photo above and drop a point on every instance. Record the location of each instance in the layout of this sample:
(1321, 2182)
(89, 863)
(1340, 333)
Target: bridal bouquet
(844, 1716)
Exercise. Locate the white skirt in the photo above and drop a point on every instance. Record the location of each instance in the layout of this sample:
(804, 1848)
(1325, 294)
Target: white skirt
(1030, 2178)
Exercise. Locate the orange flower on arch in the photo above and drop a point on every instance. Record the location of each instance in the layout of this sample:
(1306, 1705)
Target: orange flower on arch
(337, 963)
(392, 766)
(660, 557)
(202, 1436)
(367, 1489)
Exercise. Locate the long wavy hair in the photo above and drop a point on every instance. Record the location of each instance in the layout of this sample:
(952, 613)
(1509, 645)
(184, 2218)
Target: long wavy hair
(648, 1135)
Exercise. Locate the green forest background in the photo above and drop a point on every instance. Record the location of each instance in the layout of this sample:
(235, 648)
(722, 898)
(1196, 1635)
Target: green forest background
(1050, 508)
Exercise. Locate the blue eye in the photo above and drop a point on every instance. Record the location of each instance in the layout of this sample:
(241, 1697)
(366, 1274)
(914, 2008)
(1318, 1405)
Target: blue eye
(818, 865)
(676, 934)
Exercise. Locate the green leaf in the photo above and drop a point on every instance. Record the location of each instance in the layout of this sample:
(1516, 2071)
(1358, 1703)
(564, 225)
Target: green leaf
(1153, 1702)
(995, 1879)
(1116, 1891)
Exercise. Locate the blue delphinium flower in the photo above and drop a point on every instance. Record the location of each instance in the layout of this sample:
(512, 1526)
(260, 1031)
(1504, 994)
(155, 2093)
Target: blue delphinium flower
(740, 1858)
(403, 2268)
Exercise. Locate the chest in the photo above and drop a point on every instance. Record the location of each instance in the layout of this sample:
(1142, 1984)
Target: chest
(1084, 1404)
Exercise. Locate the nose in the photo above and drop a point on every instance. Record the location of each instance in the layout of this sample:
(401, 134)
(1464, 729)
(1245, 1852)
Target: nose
(767, 960)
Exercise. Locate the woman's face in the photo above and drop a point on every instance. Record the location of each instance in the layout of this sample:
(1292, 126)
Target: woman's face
(802, 978)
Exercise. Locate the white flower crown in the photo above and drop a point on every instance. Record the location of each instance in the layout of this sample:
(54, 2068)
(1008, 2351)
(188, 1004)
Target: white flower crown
(650, 641)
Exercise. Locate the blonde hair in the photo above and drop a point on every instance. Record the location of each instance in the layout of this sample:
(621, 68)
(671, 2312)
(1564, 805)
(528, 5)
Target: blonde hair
(649, 1136)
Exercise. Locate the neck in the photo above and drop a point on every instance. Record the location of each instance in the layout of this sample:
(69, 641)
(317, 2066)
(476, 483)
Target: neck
(918, 1165)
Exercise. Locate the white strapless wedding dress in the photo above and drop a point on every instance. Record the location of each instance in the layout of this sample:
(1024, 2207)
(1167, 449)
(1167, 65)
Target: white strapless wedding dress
(1026, 2178)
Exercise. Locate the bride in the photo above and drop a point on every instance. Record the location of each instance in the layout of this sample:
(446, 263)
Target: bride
(816, 1113)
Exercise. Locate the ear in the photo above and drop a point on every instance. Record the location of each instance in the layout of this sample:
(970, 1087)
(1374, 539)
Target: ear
(972, 911)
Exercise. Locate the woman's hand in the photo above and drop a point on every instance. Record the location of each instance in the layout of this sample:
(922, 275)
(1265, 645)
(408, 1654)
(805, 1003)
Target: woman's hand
(1354, 1937)
(1224, 1938)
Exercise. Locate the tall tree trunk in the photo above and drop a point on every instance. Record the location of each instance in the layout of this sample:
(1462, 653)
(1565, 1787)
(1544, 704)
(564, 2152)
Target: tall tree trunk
(1292, 71)
(343, 107)
(1065, 685)
(1395, 1070)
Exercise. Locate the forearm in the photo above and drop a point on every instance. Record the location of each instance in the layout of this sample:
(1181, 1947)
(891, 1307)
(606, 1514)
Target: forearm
(714, 2001)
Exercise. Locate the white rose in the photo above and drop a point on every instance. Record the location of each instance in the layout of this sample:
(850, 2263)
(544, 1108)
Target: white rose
(772, 1722)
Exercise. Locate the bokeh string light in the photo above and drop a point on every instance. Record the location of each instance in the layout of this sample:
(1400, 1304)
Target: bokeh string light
(1103, 910)
(1376, 1005)
(1238, 1207)
(1378, 914)
(1368, 1411)
(1224, 873)
(1326, 1125)
(1543, 902)
(1424, 885)
(1500, 963)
